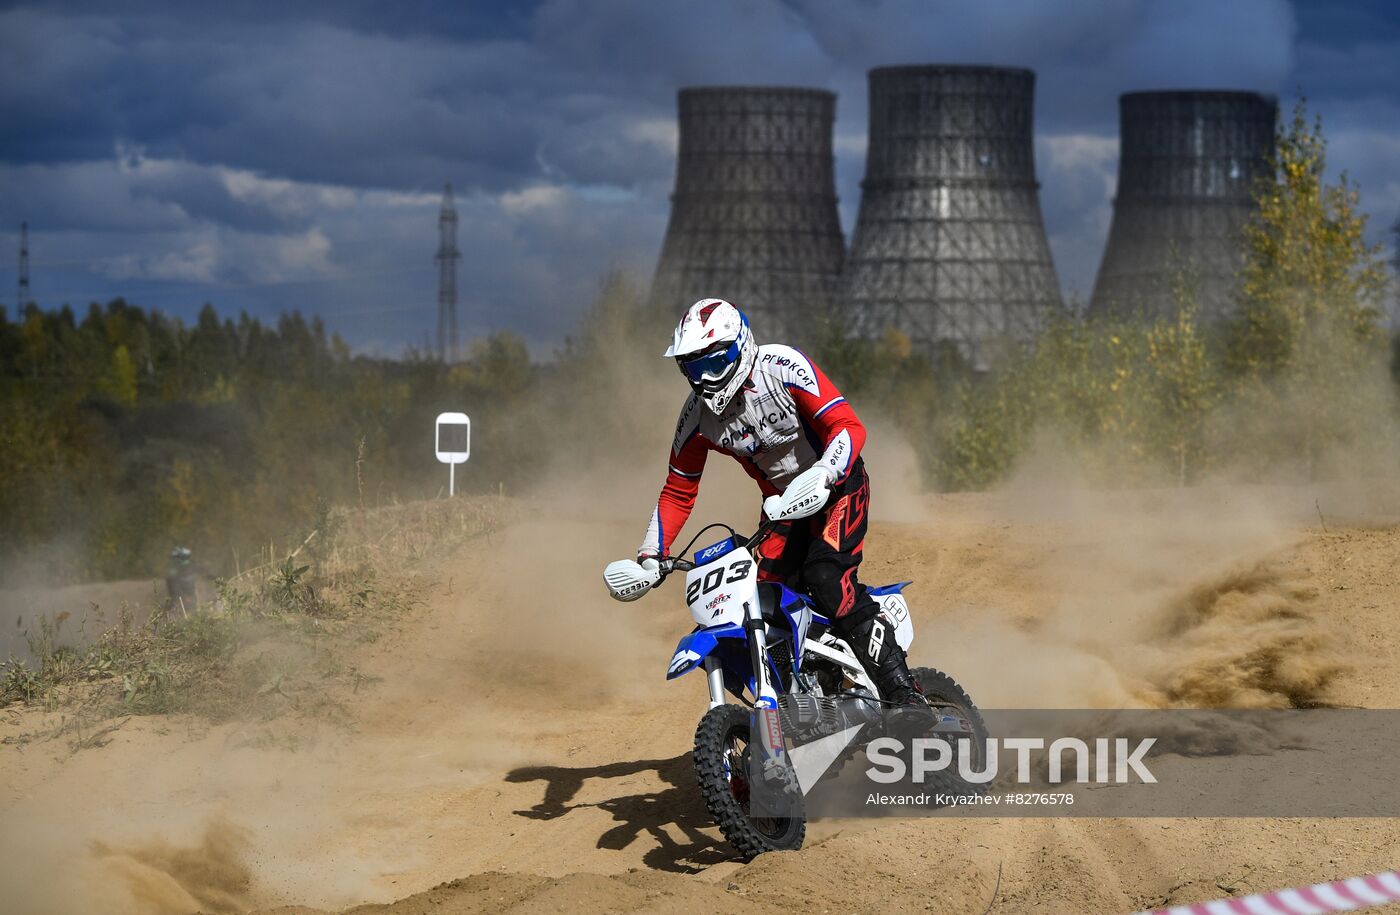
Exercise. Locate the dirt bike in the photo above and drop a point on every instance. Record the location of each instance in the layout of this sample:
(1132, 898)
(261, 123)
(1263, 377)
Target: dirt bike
(767, 646)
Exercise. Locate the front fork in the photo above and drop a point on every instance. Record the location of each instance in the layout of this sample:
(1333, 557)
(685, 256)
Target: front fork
(766, 725)
(767, 696)
(714, 673)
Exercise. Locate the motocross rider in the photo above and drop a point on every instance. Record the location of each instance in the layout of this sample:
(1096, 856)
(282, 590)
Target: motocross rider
(771, 409)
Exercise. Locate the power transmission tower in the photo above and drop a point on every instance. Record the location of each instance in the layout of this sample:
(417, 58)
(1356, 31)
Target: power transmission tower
(447, 258)
(22, 298)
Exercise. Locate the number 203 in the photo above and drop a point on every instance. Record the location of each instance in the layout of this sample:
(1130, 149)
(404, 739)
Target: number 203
(713, 578)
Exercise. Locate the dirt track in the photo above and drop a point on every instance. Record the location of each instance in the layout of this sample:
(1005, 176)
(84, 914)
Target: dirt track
(524, 744)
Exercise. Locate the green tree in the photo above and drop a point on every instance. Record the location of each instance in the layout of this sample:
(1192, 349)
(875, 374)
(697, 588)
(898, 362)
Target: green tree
(1308, 329)
(122, 383)
(1308, 269)
(35, 341)
(1184, 391)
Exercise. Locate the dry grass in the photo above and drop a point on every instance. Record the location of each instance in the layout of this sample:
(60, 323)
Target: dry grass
(275, 642)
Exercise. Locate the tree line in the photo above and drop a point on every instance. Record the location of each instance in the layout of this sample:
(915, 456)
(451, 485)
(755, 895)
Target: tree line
(128, 431)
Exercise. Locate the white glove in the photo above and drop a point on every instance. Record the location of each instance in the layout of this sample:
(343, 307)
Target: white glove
(803, 497)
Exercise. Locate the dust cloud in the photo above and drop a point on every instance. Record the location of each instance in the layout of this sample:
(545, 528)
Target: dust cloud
(1135, 598)
(49, 874)
(1171, 597)
(1046, 593)
(165, 879)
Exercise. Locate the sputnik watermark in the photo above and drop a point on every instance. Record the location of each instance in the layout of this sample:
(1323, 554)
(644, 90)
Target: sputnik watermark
(942, 799)
(1094, 763)
(1112, 760)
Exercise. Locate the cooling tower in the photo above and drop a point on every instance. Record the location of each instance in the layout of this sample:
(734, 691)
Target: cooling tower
(1187, 163)
(949, 245)
(753, 216)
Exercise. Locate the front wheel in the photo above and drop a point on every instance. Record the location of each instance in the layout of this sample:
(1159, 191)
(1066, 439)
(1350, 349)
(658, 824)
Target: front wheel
(722, 771)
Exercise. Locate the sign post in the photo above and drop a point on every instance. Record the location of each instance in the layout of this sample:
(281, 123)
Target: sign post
(452, 440)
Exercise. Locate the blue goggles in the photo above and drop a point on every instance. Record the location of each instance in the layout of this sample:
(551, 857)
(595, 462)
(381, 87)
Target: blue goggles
(712, 364)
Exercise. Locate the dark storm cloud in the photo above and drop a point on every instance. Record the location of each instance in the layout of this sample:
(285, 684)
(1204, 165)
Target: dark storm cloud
(464, 20)
(291, 154)
(322, 101)
(370, 95)
(313, 102)
(1083, 54)
(131, 191)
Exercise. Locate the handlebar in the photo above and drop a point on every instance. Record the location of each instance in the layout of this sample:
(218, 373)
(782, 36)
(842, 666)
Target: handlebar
(669, 564)
(763, 529)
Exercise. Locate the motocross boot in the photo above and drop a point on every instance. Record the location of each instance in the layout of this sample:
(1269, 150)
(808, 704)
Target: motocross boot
(874, 644)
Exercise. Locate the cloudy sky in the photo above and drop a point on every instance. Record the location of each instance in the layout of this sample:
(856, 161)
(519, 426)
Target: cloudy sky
(275, 155)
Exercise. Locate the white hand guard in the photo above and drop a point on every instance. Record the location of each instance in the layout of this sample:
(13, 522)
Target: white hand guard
(803, 498)
(628, 579)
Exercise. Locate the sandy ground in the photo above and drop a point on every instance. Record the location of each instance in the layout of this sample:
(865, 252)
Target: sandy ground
(524, 752)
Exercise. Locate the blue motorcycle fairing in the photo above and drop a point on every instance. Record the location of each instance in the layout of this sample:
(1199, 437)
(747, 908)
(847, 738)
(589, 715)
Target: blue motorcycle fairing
(798, 613)
(697, 645)
(789, 596)
(729, 644)
(715, 551)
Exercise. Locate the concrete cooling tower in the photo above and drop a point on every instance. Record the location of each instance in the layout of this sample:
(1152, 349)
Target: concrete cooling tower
(1187, 163)
(753, 216)
(949, 246)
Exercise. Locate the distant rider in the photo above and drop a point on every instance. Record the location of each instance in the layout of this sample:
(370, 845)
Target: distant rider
(771, 409)
(180, 579)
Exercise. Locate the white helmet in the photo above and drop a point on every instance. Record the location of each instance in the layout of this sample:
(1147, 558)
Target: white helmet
(715, 350)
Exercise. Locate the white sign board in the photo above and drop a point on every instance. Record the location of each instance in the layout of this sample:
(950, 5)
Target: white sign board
(452, 441)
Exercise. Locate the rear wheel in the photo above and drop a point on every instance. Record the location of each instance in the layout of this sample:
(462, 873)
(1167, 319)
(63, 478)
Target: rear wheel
(722, 770)
(946, 697)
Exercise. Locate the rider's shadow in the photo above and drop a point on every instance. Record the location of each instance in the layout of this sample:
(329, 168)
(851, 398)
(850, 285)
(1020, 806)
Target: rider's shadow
(659, 814)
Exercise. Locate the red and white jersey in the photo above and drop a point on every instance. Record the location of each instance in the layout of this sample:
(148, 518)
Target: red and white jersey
(788, 417)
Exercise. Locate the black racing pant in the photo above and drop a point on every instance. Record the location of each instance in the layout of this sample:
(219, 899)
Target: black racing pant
(819, 555)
